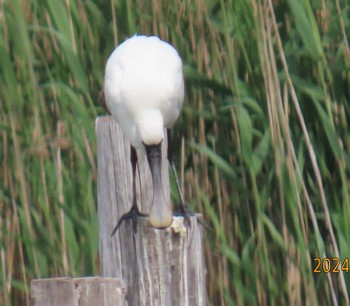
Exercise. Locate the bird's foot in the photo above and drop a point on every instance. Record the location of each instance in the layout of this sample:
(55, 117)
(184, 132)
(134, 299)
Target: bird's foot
(186, 213)
(132, 214)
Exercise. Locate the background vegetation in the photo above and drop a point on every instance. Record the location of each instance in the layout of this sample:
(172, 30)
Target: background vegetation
(264, 151)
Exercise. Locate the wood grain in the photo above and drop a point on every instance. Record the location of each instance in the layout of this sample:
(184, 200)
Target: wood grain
(159, 267)
(87, 291)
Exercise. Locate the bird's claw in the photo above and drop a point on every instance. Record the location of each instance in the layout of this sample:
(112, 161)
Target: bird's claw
(186, 213)
(132, 214)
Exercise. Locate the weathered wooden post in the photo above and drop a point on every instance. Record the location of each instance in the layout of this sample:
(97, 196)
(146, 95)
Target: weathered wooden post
(159, 267)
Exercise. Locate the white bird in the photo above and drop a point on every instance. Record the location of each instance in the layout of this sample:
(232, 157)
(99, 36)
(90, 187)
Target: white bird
(144, 91)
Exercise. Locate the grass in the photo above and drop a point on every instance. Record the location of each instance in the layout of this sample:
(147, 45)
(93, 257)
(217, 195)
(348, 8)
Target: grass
(264, 128)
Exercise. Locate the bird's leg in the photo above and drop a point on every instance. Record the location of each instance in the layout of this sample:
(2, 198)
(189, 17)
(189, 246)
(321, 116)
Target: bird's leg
(134, 212)
(184, 211)
(133, 158)
(171, 159)
(161, 214)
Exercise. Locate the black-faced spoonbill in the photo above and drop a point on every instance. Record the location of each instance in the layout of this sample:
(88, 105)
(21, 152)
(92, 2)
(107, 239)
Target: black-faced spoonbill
(144, 91)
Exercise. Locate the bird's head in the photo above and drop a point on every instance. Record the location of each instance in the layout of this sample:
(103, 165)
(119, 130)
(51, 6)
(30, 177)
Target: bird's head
(150, 127)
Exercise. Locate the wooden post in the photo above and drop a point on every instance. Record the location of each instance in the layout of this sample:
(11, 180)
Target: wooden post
(159, 267)
(87, 291)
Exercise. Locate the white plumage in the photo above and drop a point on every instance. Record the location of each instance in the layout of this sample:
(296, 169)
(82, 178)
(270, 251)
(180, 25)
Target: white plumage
(144, 88)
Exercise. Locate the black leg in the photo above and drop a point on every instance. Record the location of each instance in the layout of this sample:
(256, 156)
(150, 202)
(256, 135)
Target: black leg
(184, 211)
(183, 206)
(133, 158)
(134, 212)
(171, 159)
